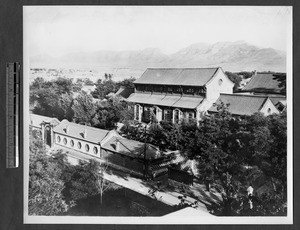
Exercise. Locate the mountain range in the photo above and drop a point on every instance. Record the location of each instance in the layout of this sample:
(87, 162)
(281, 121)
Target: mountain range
(231, 56)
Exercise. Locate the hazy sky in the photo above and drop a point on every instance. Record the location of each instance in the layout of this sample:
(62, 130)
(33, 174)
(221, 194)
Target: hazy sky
(57, 30)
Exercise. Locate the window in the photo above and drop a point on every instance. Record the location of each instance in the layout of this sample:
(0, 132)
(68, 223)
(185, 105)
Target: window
(87, 147)
(79, 145)
(95, 150)
(176, 116)
(65, 141)
(137, 112)
(58, 139)
(191, 115)
(72, 143)
(168, 115)
(220, 82)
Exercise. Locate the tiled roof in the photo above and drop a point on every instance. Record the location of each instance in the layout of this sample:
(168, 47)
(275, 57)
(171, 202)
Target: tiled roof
(131, 148)
(124, 92)
(37, 120)
(93, 135)
(276, 100)
(263, 82)
(241, 104)
(177, 76)
(175, 101)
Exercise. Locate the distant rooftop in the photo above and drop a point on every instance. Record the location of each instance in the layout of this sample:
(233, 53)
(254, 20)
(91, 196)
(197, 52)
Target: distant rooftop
(240, 104)
(177, 76)
(263, 82)
(124, 92)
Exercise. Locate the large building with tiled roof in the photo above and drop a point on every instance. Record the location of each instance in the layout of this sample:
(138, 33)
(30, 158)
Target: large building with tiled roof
(239, 104)
(173, 94)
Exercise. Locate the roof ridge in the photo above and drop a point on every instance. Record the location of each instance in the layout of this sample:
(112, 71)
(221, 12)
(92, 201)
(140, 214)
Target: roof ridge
(184, 68)
(86, 126)
(245, 95)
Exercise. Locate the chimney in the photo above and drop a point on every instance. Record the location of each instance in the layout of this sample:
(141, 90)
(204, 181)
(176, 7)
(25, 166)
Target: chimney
(84, 133)
(67, 129)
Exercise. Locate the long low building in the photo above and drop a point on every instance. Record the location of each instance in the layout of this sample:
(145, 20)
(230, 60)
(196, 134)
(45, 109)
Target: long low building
(102, 144)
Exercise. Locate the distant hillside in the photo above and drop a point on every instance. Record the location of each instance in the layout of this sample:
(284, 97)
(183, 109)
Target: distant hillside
(231, 56)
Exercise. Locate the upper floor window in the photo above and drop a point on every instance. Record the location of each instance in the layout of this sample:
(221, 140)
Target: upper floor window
(189, 90)
(72, 143)
(79, 145)
(178, 90)
(65, 141)
(157, 88)
(220, 82)
(58, 139)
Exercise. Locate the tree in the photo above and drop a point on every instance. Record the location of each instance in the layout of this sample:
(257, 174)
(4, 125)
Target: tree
(103, 88)
(235, 78)
(281, 78)
(101, 183)
(45, 185)
(52, 98)
(88, 180)
(84, 109)
(246, 74)
(127, 83)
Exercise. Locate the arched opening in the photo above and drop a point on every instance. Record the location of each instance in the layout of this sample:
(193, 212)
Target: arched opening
(47, 135)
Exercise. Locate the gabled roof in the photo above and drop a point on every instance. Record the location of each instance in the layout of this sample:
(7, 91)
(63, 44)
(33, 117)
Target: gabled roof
(263, 82)
(177, 76)
(241, 104)
(176, 101)
(276, 100)
(71, 129)
(131, 148)
(37, 120)
(124, 92)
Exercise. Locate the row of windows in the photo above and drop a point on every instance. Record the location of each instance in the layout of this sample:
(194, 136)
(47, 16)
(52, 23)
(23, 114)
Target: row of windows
(79, 145)
(187, 90)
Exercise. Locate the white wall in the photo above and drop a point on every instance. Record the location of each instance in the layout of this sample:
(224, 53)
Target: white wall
(269, 108)
(75, 147)
(213, 89)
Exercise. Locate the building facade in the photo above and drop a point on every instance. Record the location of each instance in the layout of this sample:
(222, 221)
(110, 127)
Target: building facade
(83, 142)
(173, 94)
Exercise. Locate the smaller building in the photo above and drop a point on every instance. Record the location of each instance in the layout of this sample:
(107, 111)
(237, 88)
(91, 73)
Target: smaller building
(124, 92)
(246, 104)
(45, 125)
(88, 88)
(264, 83)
